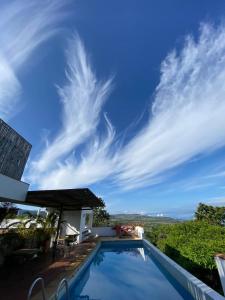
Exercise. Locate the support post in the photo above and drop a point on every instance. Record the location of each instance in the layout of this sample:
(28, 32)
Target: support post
(57, 233)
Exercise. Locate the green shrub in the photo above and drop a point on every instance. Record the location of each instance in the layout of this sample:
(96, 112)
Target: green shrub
(9, 242)
(194, 241)
(193, 245)
(210, 214)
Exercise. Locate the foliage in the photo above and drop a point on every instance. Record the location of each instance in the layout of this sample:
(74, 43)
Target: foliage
(87, 219)
(9, 242)
(26, 233)
(192, 244)
(25, 221)
(30, 232)
(210, 214)
(101, 216)
(36, 230)
(7, 210)
(48, 223)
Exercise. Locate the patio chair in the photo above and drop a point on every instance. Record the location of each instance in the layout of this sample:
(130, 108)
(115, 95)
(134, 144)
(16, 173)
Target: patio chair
(127, 231)
(63, 249)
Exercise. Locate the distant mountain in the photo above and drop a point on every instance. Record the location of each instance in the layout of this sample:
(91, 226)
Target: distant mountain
(147, 221)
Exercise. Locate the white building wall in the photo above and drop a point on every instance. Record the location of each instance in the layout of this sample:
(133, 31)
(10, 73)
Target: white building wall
(12, 190)
(139, 231)
(103, 231)
(70, 223)
(74, 221)
(83, 225)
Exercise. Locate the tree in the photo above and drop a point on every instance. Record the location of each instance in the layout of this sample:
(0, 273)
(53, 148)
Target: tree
(211, 214)
(101, 216)
(7, 210)
(48, 222)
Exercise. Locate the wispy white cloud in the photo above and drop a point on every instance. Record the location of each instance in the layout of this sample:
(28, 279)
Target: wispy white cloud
(187, 116)
(216, 175)
(9, 89)
(24, 25)
(95, 165)
(220, 201)
(186, 120)
(82, 98)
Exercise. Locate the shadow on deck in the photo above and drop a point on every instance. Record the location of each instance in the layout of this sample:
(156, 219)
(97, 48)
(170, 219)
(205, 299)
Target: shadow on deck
(15, 278)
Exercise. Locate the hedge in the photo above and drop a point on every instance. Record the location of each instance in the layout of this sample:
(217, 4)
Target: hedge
(193, 245)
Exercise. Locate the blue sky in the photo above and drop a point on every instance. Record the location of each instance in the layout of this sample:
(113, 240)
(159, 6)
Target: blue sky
(124, 97)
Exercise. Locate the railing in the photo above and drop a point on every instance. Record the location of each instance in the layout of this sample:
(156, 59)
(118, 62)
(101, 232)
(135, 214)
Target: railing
(63, 283)
(39, 279)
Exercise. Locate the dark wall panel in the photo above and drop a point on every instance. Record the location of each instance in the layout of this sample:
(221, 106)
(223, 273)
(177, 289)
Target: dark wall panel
(14, 152)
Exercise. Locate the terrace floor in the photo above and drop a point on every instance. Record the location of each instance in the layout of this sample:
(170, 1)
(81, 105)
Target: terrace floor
(16, 279)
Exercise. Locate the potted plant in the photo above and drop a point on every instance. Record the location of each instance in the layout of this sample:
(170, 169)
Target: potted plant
(46, 230)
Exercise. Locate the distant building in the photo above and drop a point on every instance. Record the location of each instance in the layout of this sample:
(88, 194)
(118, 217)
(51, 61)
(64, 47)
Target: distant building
(14, 152)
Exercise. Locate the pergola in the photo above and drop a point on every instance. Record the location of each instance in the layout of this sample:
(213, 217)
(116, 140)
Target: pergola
(69, 199)
(63, 200)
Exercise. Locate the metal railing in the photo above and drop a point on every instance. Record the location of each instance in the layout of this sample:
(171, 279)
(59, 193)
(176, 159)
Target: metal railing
(39, 279)
(63, 283)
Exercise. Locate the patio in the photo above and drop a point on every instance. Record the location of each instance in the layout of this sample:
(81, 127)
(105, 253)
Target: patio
(21, 276)
(15, 279)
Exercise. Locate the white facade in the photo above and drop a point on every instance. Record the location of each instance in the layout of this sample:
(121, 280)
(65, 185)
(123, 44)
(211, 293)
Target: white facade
(12, 190)
(77, 222)
(103, 231)
(139, 231)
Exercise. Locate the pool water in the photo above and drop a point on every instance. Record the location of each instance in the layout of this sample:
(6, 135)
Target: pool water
(126, 270)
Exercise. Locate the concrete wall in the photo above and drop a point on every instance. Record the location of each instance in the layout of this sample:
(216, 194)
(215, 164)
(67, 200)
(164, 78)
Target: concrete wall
(71, 223)
(11, 189)
(139, 231)
(103, 231)
(86, 226)
(75, 221)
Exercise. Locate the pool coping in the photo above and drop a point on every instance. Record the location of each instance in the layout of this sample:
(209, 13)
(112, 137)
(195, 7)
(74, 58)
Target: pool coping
(198, 289)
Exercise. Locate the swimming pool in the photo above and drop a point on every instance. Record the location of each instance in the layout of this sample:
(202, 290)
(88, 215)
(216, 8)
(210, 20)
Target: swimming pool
(127, 270)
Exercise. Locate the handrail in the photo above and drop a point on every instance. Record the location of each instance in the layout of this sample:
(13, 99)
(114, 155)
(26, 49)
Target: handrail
(42, 288)
(61, 284)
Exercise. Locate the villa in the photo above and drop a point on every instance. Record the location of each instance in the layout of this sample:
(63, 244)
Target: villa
(85, 262)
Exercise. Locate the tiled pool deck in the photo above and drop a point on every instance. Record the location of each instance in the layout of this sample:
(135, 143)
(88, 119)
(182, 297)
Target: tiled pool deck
(15, 279)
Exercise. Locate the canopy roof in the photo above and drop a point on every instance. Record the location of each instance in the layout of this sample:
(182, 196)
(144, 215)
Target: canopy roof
(70, 199)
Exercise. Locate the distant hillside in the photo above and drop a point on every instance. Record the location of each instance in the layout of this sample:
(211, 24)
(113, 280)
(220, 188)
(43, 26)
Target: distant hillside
(147, 221)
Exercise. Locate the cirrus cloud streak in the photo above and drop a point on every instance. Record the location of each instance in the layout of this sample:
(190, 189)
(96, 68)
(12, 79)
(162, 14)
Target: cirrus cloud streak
(24, 26)
(82, 98)
(187, 116)
(186, 120)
